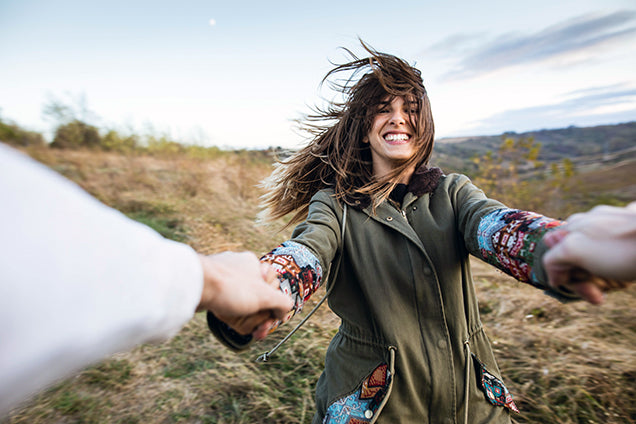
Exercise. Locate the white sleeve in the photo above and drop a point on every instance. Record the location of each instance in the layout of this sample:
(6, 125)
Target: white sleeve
(78, 280)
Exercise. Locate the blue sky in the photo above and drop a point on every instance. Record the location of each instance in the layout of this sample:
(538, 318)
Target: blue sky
(236, 74)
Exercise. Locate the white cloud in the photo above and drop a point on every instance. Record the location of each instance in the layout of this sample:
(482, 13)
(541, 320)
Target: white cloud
(574, 40)
(212, 22)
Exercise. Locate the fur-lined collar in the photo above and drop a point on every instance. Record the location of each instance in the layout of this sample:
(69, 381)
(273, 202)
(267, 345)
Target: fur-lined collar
(424, 180)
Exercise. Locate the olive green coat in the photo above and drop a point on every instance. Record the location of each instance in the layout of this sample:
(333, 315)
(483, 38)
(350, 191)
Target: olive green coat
(404, 284)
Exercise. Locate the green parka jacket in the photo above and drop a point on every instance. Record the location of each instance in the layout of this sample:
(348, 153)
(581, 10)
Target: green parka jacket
(410, 332)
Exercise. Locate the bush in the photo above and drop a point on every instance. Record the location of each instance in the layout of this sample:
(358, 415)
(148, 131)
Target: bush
(113, 141)
(16, 136)
(76, 134)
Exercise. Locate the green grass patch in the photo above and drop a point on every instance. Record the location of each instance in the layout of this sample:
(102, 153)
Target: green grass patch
(169, 227)
(183, 366)
(79, 407)
(109, 375)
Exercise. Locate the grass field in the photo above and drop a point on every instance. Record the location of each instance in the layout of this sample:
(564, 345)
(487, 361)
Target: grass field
(564, 364)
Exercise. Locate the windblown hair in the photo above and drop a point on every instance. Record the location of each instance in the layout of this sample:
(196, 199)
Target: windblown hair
(337, 156)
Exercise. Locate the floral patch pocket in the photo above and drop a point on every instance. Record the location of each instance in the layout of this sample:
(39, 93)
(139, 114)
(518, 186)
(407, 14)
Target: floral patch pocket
(366, 403)
(493, 388)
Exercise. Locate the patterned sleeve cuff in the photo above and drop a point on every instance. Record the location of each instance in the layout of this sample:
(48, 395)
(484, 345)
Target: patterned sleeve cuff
(510, 239)
(300, 275)
(299, 272)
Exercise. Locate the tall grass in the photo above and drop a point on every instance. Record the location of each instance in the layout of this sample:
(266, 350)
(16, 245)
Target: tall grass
(564, 364)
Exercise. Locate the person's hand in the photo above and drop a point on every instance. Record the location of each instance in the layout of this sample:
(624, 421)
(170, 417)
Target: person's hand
(594, 252)
(242, 292)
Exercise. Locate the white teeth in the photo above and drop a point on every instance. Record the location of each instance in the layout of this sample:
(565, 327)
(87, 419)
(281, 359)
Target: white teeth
(394, 137)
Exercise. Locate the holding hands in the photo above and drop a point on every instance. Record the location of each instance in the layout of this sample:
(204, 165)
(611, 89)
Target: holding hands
(594, 252)
(242, 292)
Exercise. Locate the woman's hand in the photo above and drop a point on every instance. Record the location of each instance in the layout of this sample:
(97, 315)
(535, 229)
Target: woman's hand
(242, 292)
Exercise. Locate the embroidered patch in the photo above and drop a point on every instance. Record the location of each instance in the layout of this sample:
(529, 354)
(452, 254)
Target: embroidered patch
(299, 273)
(494, 389)
(508, 237)
(361, 406)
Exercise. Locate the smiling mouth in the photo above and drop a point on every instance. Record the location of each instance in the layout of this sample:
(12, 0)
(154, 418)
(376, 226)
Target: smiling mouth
(397, 138)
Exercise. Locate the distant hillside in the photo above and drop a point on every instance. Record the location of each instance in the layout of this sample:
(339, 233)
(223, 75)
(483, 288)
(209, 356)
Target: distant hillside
(603, 160)
(572, 142)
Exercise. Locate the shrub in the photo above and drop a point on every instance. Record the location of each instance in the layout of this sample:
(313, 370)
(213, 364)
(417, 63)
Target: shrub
(113, 141)
(76, 134)
(14, 135)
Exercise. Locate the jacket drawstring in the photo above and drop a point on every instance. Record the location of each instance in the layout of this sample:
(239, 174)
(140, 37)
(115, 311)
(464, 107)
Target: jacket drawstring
(265, 356)
(467, 381)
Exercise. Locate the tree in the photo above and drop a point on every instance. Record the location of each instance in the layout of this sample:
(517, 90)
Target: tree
(499, 173)
(514, 175)
(73, 130)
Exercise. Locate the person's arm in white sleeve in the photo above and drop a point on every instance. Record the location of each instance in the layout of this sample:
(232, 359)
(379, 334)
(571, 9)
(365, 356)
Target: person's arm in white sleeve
(80, 281)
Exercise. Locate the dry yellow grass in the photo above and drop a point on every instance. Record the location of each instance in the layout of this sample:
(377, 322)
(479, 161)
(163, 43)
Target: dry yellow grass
(564, 364)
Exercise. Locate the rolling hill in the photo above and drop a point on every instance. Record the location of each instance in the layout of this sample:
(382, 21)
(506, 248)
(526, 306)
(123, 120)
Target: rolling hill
(557, 144)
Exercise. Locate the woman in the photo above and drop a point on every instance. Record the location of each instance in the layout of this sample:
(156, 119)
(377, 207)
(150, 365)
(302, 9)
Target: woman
(411, 347)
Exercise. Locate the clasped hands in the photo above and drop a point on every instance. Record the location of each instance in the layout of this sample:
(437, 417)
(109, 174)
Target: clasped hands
(594, 252)
(242, 292)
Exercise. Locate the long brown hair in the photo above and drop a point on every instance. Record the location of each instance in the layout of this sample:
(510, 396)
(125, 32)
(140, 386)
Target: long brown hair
(336, 156)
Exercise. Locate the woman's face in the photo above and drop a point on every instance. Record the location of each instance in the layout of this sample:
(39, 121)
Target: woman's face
(392, 134)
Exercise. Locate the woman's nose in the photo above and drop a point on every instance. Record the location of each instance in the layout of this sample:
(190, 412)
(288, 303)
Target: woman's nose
(397, 117)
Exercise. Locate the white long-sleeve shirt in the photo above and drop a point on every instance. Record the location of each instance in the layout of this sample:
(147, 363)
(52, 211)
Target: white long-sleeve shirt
(78, 280)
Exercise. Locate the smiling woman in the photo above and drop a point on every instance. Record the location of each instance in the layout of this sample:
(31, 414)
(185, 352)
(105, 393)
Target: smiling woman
(389, 97)
(411, 347)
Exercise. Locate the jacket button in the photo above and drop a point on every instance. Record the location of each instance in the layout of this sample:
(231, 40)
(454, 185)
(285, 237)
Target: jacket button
(427, 271)
(441, 343)
(368, 414)
(414, 208)
(389, 218)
